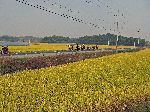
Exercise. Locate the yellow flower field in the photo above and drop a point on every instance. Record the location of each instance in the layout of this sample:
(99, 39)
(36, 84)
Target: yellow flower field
(38, 47)
(51, 47)
(87, 85)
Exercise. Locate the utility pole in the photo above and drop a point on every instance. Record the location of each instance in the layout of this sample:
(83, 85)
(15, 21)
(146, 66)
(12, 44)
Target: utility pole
(117, 37)
(139, 37)
(134, 44)
(108, 42)
(117, 44)
(138, 42)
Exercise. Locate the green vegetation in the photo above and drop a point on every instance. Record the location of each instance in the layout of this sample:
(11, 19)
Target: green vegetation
(95, 39)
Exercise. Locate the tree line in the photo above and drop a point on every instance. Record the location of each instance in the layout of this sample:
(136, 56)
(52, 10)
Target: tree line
(103, 39)
(21, 38)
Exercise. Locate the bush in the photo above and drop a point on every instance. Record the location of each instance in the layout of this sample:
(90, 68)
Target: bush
(9, 65)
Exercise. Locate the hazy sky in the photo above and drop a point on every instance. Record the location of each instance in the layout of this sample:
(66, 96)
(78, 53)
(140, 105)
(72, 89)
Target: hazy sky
(18, 19)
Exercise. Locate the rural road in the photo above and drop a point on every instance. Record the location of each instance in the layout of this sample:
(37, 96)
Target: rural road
(50, 53)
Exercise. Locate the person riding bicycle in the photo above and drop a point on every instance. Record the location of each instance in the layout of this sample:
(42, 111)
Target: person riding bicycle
(77, 47)
(4, 50)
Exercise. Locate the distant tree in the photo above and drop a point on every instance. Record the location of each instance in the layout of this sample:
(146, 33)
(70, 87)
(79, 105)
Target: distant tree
(55, 39)
(95, 39)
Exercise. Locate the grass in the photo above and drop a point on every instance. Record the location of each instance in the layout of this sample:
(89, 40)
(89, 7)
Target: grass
(109, 83)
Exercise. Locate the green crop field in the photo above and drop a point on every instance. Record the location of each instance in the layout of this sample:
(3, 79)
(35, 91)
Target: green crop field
(89, 85)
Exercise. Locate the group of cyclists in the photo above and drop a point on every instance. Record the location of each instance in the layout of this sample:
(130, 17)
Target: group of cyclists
(82, 47)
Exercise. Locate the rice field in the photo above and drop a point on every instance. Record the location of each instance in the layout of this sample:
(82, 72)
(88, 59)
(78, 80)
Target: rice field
(89, 85)
(52, 47)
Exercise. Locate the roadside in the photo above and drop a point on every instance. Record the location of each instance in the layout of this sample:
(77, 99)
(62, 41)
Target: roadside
(60, 52)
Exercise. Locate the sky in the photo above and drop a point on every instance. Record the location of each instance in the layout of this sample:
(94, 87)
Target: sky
(19, 19)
